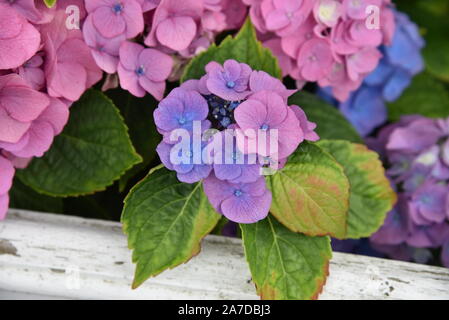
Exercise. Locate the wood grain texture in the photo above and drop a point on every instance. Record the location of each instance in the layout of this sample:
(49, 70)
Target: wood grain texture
(56, 256)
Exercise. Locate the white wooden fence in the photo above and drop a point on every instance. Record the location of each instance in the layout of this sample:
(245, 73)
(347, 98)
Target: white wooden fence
(61, 257)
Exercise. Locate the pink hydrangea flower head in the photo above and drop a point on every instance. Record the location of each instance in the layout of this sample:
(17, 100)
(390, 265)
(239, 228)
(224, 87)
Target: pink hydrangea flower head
(175, 24)
(105, 51)
(19, 40)
(265, 111)
(230, 81)
(112, 18)
(6, 177)
(239, 202)
(143, 70)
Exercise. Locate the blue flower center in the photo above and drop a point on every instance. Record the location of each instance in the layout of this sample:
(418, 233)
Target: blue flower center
(140, 71)
(426, 199)
(182, 120)
(238, 193)
(230, 84)
(117, 8)
(264, 127)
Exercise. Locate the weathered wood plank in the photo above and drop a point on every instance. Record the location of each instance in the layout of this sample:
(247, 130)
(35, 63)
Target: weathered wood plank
(69, 257)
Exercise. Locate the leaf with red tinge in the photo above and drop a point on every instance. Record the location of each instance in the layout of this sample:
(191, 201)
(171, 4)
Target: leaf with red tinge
(371, 196)
(311, 193)
(285, 265)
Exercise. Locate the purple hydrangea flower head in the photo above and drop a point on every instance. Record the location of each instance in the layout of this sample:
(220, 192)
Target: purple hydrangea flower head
(230, 81)
(220, 118)
(266, 110)
(414, 151)
(239, 202)
(143, 70)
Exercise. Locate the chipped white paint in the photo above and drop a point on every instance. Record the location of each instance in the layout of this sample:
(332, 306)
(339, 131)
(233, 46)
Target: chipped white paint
(56, 256)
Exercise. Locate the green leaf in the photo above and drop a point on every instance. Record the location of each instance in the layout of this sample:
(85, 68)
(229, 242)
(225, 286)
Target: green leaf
(311, 193)
(93, 150)
(244, 48)
(425, 96)
(371, 196)
(165, 221)
(138, 115)
(23, 197)
(285, 265)
(331, 124)
(50, 3)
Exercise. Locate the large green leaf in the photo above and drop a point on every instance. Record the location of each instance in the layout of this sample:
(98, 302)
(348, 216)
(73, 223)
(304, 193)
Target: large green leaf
(165, 221)
(311, 193)
(426, 96)
(285, 265)
(371, 196)
(23, 197)
(331, 124)
(244, 48)
(93, 150)
(138, 115)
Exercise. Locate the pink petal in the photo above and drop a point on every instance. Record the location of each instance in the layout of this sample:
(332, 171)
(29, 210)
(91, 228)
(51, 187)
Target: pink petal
(16, 51)
(129, 55)
(107, 23)
(156, 89)
(276, 20)
(56, 114)
(176, 33)
(23, 103)
(69, 81)
(132, 14)
(41, 136)
(11, 130)
(130, 81)
(158, 65)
